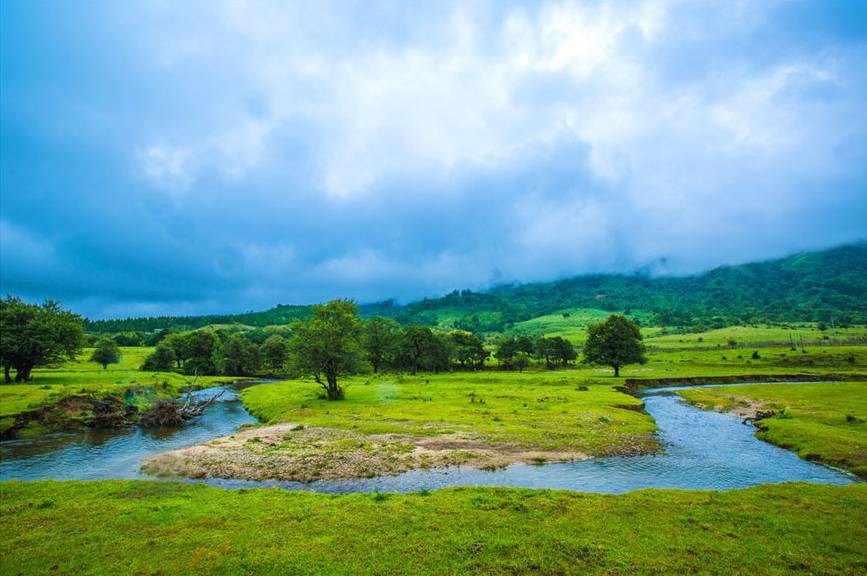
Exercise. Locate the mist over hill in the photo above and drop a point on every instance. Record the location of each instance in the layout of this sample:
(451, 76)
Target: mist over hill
(829, 285)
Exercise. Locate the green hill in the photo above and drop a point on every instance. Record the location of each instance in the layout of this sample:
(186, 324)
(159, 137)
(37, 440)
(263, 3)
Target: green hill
(827, 286)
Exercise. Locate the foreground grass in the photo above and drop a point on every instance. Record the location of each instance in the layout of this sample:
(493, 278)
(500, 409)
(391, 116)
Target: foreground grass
(539, 410)
(130, 527)
(823, 422)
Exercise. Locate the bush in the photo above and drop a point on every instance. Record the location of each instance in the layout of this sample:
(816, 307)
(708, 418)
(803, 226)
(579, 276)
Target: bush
(200, 367)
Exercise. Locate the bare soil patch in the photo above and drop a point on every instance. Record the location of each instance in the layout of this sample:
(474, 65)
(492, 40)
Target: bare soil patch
(295, 452)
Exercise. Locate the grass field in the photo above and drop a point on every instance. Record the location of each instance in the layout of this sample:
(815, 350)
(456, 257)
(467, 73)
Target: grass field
(49, 385)
(744, 335)
(838, 360)
(114, 527)
(389, 423)
(572, 323)
(541, 410)
(824, 422)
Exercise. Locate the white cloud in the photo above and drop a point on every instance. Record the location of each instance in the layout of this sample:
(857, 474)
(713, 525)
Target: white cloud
(397, 149)
(169, 167)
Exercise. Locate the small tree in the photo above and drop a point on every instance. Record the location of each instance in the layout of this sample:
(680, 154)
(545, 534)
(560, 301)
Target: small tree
(380, 339)
(469, 349)
(274, 353)
(507, 348)
(417, 347)
(521, 361)
(33, 335)
(160, 360)
(238, 357)
(106, 352)
(615, 342)
(328, 345)
(563, 350)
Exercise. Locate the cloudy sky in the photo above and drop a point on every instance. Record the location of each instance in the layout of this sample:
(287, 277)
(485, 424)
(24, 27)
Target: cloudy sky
(203, 156)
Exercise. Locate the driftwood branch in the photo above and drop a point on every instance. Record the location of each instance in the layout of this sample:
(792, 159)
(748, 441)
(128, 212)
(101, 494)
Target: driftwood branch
(167, 413)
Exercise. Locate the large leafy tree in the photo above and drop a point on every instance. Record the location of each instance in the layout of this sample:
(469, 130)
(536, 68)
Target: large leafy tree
(274, 353)
(418, 347)
(615, 342)
(200, 349)
(238, 357)
(161, 359)
(514, 351)
(555, 350)
(380, 339)
(469, 349)
(179, 345)
(327, 345)
(32, 335)
(106, 352)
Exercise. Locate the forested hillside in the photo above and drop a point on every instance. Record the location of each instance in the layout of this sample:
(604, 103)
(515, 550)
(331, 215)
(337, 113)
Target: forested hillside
(819, 286)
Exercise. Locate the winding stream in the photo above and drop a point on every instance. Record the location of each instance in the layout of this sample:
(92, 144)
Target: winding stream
(703, 450)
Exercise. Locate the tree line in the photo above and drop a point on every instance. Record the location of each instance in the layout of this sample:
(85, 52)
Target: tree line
(333, 341)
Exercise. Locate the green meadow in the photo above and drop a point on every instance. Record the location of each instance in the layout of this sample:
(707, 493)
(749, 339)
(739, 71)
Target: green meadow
(740, 336)
(537, 410)
(116, 527)
(144, 527)
(824, 422)
(572, 323)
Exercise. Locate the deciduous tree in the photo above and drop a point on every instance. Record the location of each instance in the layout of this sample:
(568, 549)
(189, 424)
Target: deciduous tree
(380, 339)
(32, 335)
(615, 342)
(327, 345)
(106, 352)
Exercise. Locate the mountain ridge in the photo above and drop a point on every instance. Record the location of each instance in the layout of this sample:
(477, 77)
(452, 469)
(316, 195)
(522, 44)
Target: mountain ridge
(827, 285)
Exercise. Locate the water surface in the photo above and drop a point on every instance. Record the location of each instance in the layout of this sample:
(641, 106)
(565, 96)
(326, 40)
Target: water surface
(702, 450)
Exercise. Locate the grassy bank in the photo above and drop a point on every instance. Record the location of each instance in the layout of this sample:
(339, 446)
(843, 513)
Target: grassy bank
(393, 423)
(544, 410)
(114, 527)
(823, 422)
(81, 377)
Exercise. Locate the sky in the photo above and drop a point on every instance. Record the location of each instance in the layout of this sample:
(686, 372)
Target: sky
(168, 157)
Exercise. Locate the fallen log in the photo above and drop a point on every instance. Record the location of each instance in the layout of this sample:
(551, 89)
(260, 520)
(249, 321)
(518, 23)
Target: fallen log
(169, 413)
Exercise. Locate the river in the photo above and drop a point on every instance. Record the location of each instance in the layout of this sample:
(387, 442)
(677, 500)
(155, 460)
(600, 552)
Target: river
(702, 450)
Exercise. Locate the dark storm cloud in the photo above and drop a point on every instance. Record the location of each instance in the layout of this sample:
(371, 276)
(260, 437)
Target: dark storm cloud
(163, 159)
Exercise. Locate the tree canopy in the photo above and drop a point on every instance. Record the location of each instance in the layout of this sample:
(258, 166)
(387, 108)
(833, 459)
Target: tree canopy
(36, 335)
(380, 340)
(615, 342)
(327, 345)
(106, 352)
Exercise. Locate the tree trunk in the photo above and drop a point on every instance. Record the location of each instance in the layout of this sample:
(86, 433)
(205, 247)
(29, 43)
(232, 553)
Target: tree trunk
(332, 390)
(22, 373)
(616, 371)
(6, 376)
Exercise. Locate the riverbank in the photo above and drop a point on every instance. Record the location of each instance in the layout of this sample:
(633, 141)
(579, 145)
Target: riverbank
(73, 395)
(294, 452)
(171, 528)
(394, 423)
(824, 422)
